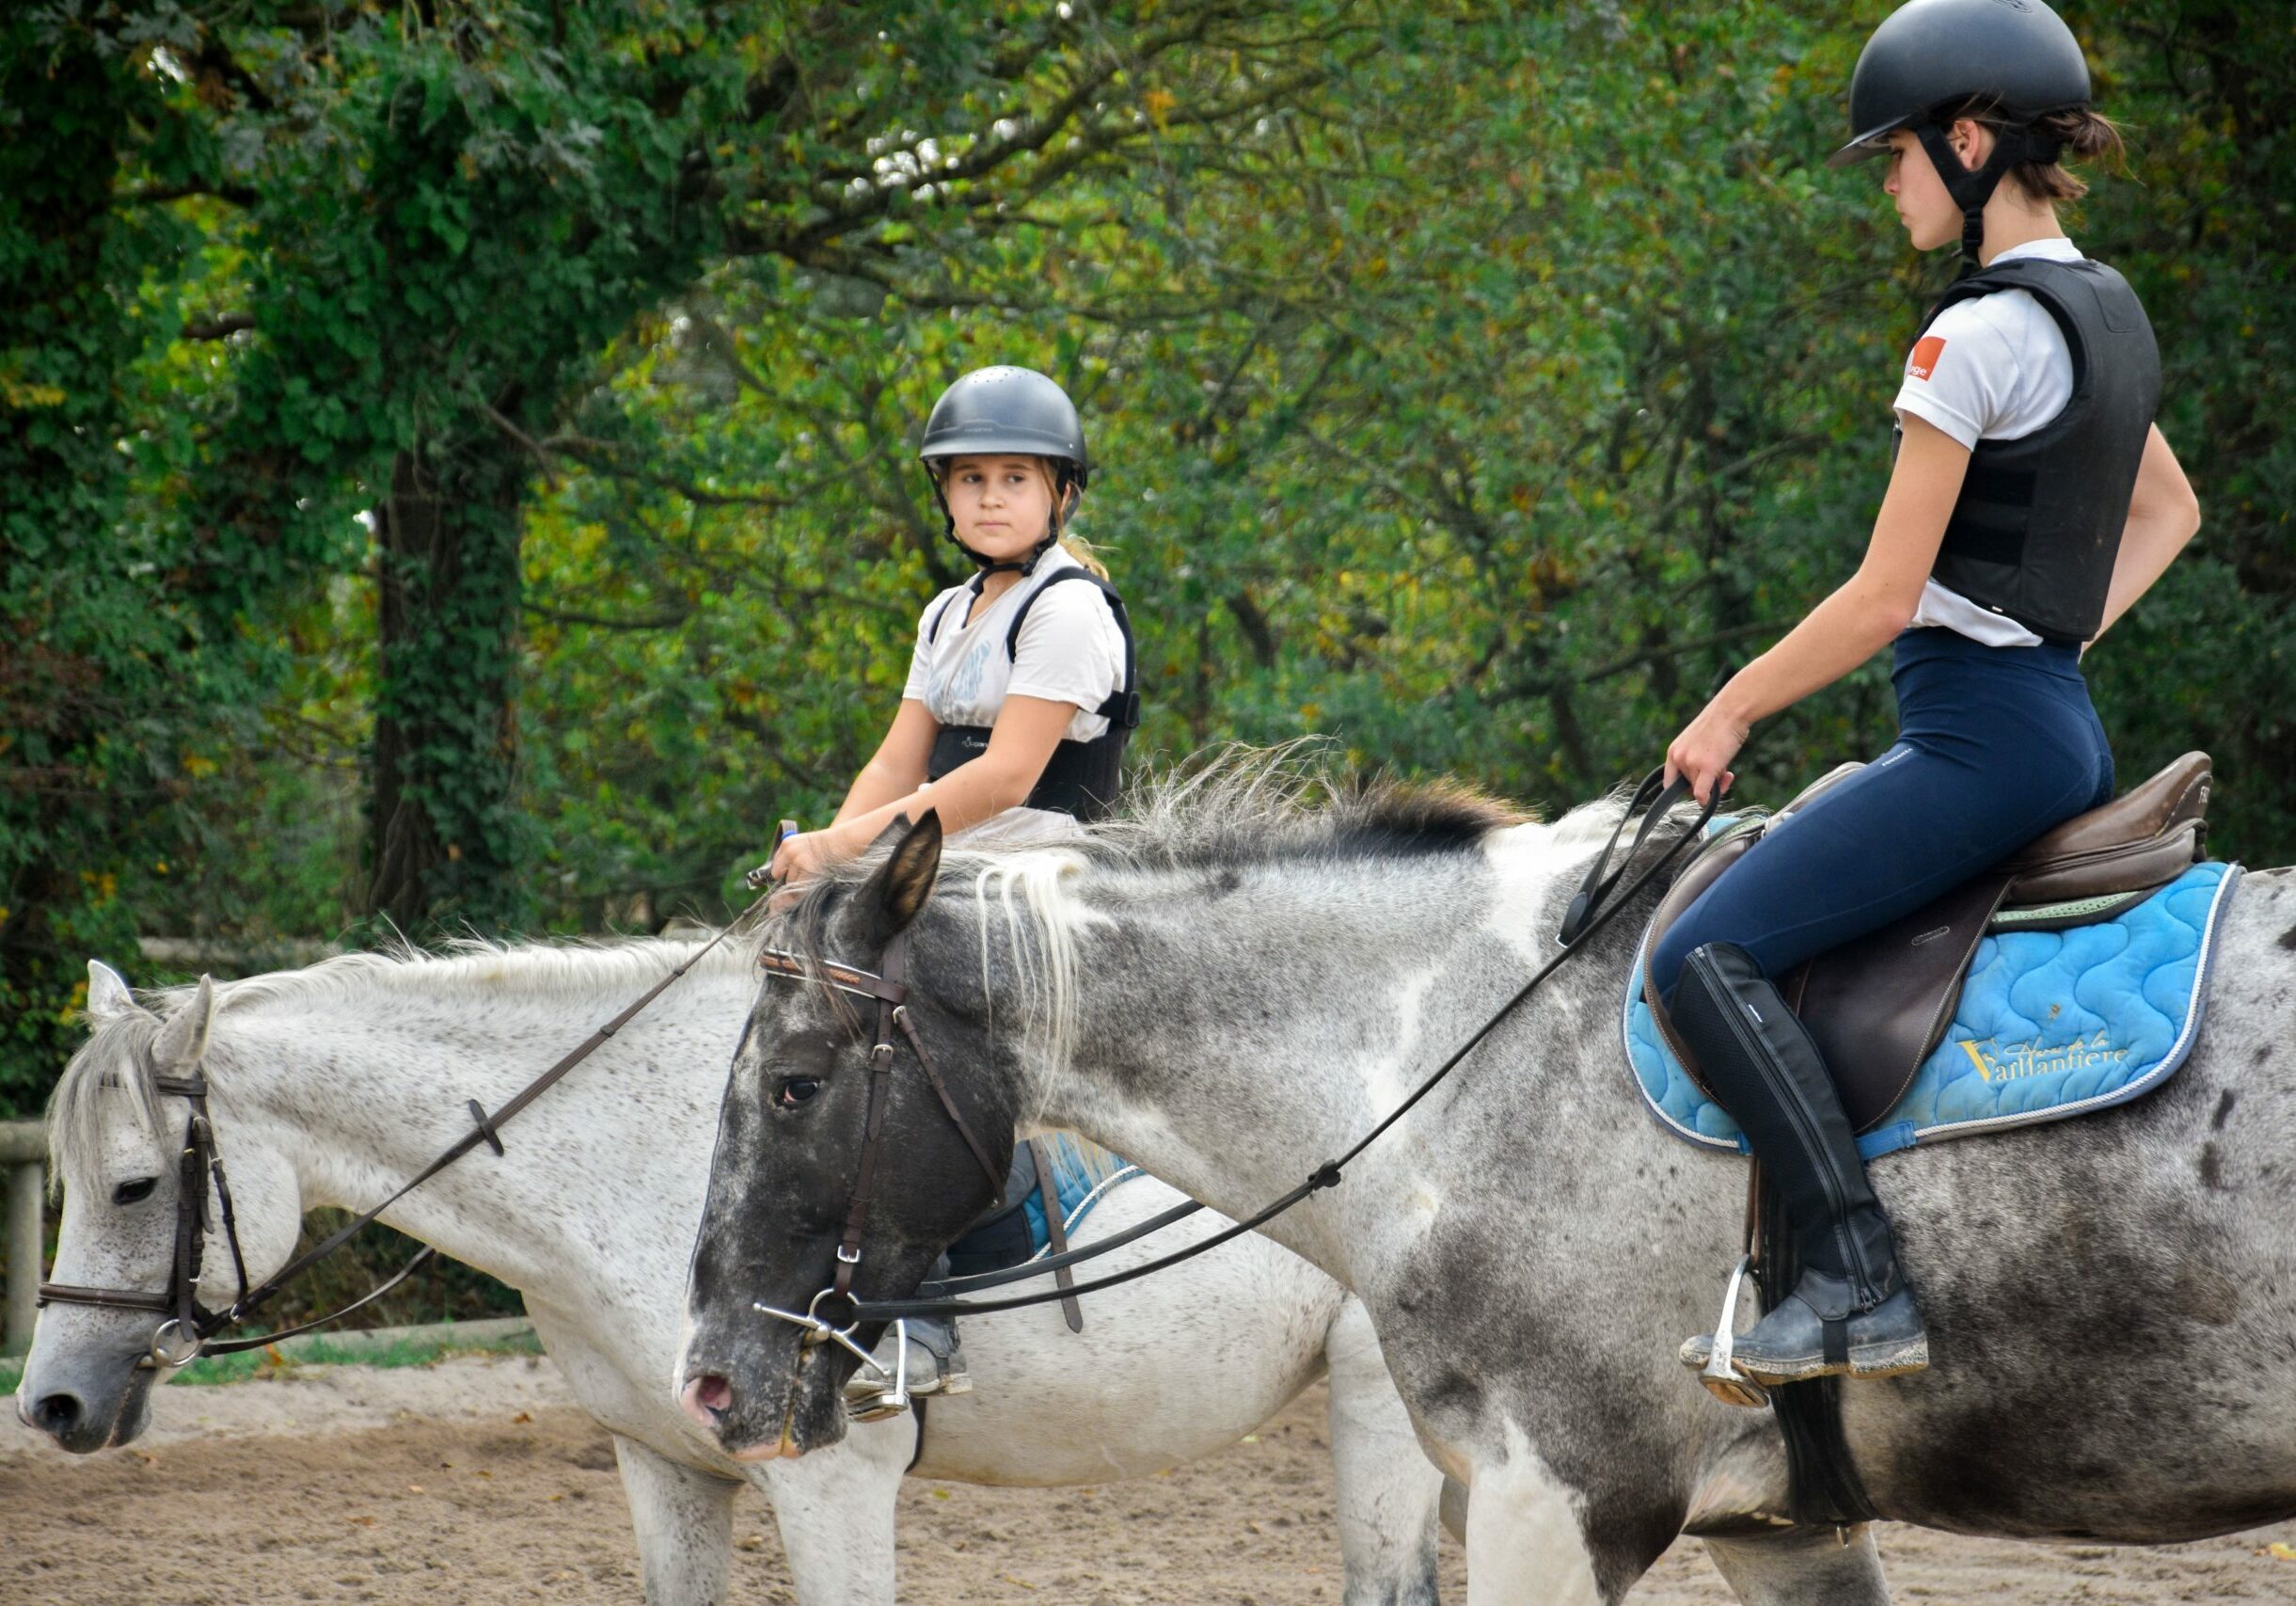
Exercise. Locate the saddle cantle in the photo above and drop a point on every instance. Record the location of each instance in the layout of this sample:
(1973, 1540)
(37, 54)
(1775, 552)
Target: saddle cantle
(1879, 1005)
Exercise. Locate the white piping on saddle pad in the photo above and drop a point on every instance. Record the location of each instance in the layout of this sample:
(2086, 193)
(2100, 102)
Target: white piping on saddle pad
(2196, 1006)
(1627, 1042)
(1067, 1222)
(2194, 1009)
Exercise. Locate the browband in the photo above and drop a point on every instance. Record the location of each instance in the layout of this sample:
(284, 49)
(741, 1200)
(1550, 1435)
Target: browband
(846, 977)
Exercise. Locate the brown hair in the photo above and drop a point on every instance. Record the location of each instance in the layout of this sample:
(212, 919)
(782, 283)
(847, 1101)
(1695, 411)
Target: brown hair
(2086, 135)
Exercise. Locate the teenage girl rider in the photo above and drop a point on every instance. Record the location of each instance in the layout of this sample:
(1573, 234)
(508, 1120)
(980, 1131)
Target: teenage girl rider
(2033, 500)
(1020, 691)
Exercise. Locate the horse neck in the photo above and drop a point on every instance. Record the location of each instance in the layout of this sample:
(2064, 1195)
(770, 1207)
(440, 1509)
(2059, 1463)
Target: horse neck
(360, 1091)
(1253, 1033)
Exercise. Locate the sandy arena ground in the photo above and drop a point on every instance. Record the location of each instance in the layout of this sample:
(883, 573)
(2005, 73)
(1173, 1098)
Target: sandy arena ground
(476, 1481)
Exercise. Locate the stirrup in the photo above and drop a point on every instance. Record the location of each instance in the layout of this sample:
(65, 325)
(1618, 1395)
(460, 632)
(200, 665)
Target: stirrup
(1722, 1379)
(883, 1403)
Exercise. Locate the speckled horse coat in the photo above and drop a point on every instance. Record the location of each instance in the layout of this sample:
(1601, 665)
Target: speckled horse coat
(335, 1083)
(1232, 988)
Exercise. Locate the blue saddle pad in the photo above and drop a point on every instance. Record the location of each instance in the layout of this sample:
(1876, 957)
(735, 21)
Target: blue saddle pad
(2049, 1025)
(1077, 1183)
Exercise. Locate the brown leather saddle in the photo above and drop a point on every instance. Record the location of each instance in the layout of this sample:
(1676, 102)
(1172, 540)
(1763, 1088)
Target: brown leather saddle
(1879, 1005)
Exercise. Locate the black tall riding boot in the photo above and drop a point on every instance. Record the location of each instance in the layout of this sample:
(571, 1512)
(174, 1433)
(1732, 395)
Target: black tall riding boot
(1851, 1311)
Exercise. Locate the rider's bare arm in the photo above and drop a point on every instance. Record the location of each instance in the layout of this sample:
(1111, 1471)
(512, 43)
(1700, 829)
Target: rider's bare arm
(897, 767)
(1850, 626)
(1021, 744)
(2163, 514)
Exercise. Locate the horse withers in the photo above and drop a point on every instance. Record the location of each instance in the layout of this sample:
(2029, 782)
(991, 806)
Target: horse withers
(1230, 988)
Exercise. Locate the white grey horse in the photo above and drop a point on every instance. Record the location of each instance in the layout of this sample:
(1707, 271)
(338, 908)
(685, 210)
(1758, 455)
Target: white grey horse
(333, 1084)
(1233, 987)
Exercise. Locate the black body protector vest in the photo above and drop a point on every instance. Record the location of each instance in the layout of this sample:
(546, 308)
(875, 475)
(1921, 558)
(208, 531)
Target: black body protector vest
(2040, 519)
(1081, 777)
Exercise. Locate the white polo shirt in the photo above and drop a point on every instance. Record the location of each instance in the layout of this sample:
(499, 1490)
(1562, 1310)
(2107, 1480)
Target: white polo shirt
(1994, 368)
(1070, 651)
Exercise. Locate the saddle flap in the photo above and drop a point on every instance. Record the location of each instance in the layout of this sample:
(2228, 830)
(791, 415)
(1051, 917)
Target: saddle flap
(1877, 1005)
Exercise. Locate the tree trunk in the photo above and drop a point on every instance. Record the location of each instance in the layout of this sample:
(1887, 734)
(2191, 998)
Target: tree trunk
(68, 627)
(447, 838)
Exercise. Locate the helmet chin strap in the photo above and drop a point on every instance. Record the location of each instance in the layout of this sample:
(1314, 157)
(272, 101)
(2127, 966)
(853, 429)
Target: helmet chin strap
(1970, 189)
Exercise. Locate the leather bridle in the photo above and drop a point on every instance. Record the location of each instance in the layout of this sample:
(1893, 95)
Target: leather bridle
(1599, 898)
(888, 986)
(193, 1323)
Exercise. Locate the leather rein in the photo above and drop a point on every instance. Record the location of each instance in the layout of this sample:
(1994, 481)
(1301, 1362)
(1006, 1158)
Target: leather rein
(191, 1324)
(1599, 898)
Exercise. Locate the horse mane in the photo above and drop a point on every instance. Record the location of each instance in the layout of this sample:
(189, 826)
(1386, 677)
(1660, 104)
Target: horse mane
(118, 1053)
(1235, 808)
(1243, 806)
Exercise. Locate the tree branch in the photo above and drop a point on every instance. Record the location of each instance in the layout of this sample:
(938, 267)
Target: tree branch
(218, 328)
(158, 195)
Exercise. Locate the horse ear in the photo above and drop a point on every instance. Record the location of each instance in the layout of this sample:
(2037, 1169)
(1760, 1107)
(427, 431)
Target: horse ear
(896, 890)
(183, 1039)
(107, 992)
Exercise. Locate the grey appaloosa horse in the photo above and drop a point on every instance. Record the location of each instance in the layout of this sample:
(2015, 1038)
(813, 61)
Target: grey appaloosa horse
(1231, 987)
(334, 1084)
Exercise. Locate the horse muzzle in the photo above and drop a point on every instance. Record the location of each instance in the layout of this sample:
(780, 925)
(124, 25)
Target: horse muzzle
(83, 1417)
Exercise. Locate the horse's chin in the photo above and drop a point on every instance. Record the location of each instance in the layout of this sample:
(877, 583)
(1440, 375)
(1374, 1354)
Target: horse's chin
(135, 1411)
(813, 1417)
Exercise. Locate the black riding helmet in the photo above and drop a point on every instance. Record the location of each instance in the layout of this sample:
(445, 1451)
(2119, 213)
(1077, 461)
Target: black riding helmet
(1931, 56)
(1007, 410)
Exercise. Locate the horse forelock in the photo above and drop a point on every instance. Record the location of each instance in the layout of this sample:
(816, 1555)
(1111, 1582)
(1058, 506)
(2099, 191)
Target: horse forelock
(117, 1056)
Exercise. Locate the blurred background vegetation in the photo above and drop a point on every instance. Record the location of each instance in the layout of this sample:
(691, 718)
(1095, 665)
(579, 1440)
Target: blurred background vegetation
(457, 456)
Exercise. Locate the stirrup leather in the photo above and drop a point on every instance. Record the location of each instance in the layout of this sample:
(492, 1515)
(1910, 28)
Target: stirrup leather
(1722, 1378)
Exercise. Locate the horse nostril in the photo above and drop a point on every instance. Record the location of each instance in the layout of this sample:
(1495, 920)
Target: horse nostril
(56, 1414)
(708, 1398)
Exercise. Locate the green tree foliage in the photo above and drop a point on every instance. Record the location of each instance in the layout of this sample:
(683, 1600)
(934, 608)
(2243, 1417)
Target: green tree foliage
(1480, 409)
(1472, 385)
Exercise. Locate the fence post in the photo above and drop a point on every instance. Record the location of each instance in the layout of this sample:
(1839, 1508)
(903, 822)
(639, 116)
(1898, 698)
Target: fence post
(24, 1148)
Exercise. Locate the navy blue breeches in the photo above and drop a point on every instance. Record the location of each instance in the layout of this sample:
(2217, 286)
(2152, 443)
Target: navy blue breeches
(1995, 745)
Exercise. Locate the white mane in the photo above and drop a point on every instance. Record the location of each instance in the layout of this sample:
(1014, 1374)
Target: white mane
(589, 971)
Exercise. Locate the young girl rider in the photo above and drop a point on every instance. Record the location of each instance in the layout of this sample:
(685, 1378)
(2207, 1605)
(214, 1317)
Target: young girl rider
(2033, 500)
(1020, 690)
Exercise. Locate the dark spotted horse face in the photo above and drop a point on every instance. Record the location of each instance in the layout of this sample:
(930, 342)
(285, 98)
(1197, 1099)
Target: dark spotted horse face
(805, 1213)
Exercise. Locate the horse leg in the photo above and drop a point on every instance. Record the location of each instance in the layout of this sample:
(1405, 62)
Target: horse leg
(684, 1519)
(1389, 1493)
(1804, 1566)
(1523, 1543)
(835, 1512)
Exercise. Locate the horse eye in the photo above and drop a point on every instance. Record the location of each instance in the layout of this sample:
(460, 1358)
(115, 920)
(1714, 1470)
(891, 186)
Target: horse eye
(795, 1090)
(135, 1192)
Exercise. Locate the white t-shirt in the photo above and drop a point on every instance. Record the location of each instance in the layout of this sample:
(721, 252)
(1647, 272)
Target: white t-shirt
(1994, 368)
(1070, 651)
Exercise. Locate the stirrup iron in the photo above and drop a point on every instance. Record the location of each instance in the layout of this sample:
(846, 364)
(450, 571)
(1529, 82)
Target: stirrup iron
(890, 1402)
(1722, 1379)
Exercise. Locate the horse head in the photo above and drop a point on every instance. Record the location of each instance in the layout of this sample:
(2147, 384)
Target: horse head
(117, 1137)
(824, 1189)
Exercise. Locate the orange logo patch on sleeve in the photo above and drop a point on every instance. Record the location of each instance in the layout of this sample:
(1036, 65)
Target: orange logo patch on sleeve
(1926, 354)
